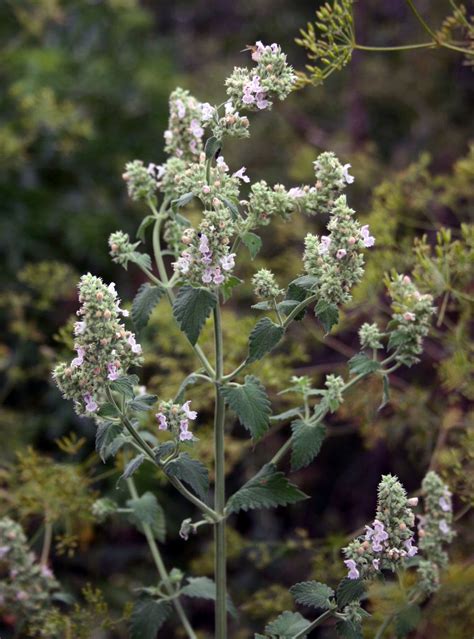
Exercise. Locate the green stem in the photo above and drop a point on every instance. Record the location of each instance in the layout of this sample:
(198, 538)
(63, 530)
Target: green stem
(313, 625)
(421, 20)
(402, 47)
(160, 566)
(219, 490)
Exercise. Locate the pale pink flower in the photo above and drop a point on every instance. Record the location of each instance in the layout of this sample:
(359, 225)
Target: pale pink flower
(162, 422)
(352, 566)
(91, 404)
(367, 239)
(184, 432)
(79, 360)
(190, 414)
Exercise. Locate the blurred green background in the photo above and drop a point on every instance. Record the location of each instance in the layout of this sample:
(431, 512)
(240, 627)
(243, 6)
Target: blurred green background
(84, 88)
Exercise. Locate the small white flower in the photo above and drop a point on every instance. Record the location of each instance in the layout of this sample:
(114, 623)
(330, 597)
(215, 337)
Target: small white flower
(221, 164)
(241, 175)
(345, 174)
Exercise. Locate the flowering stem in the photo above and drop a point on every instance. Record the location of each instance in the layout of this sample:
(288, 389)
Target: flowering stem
(313, 625)
(281, 452)
(160, 566)
(219, 490)
(146, 448)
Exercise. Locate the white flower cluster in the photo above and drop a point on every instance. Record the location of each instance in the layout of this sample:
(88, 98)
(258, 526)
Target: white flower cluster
(336, 259)
(207, 259)
(105, 350)
(272, 78)
(183, 137)
(434, 530)
(175, 418)
(411, 318)
(389, 540)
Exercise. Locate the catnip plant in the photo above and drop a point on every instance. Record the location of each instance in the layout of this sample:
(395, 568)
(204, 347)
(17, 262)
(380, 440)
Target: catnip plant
(195, 268)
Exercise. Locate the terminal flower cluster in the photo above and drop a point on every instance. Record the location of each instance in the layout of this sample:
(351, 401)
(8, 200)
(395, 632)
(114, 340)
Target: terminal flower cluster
(411, 315)
(434, 530)
(175, 418)
(272, 78)
(389, 540)
(336, 259)
(187, 120)
(105, 349)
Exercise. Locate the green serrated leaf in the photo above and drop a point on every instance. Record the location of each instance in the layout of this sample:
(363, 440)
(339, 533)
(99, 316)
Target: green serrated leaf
(362, 364)
(212, 146)
(132, 466)
(251, 403)
(253, 243)
(287, 625)
(349, 590)
(268, 489)
(143, 260)
(205, 588)
(192, 472)
(306, 442)
(306, 282)
(145, 301)
(124, 385)
(294, 295)
(147, 618)
(385, 392)
(263, 338)
(191, 308)
(115, 445)
(147, 510)
(106, 433)
(314, 594)
(142, 402)
(407, 620)
(145, 223)
(327, 314)
(349, 630)
(108, 410)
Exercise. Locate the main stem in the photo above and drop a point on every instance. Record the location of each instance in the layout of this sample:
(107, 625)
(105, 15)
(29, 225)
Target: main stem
(219, 489)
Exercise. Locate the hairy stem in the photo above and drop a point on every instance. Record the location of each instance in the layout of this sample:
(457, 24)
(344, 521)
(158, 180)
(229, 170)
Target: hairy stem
(219, 490)
(160, 566)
